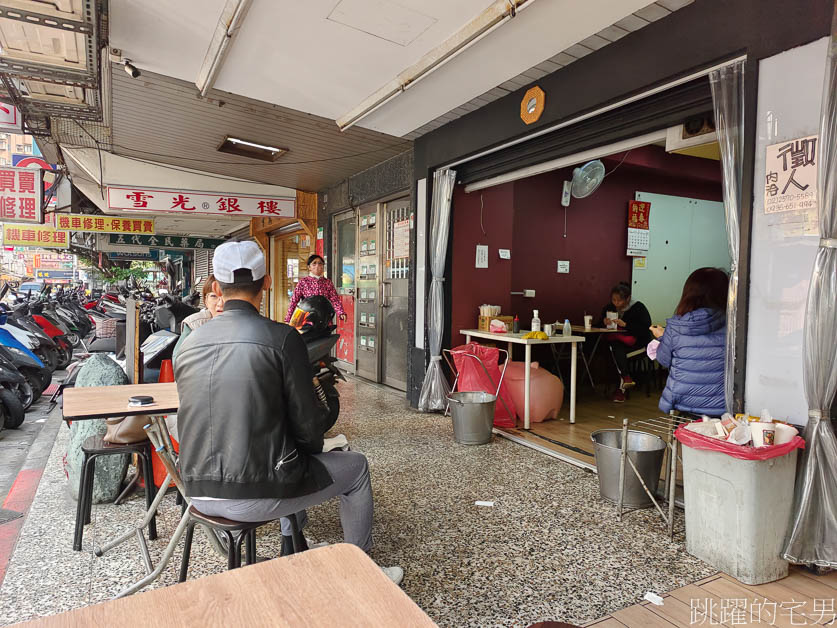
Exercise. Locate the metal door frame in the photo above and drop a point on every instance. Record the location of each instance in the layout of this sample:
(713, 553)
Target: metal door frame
(383, 207)
(350, 215)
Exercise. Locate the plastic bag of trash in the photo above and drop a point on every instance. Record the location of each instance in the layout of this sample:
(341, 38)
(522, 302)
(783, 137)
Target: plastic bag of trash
(689, 435)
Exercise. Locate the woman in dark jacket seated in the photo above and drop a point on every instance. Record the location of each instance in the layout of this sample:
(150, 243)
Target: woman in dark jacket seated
(633, 322)
(693, 346)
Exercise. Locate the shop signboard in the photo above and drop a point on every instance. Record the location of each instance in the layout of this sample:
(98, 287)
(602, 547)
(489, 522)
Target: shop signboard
(190, 202)
(150, 256)
(38, 163)
(53, 274)
(169, 241)
(10, 119)
(21, 195)
(104, 224)
(35, 236)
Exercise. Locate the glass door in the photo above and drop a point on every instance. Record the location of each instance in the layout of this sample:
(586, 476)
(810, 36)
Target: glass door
(344, 249)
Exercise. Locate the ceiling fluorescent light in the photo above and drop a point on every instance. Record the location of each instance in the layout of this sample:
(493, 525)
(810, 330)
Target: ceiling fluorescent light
(254, 150)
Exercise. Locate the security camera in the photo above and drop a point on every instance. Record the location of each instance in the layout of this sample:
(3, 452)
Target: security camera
(131, 69)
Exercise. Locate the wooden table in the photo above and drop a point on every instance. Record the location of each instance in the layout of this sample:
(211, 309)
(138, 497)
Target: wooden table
(101, 402)
(337, 585)
(513, 339)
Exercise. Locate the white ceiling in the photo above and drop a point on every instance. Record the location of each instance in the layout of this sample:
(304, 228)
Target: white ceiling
(296, 54)
(326, 56)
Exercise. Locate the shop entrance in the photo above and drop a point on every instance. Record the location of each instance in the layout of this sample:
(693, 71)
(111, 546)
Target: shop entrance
(563, 260)
(394, 290)
(372, 260)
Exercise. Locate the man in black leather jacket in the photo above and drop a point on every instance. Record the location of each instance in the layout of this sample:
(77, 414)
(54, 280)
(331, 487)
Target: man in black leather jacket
(250, 424)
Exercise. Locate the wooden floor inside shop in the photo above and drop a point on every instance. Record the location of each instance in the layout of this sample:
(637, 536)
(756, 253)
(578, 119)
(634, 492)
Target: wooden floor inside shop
(594, 411)
(802, 598)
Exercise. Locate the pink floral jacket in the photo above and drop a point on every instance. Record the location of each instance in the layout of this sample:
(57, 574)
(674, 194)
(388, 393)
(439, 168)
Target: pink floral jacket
(311, 286)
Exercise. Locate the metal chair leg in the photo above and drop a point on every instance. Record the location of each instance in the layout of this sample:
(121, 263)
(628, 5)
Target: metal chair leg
(187, 552)
(296, 535)
(150, 490)
(90, 478)
(239, 541)
(231, 546)
(81, 511)
(251, 547)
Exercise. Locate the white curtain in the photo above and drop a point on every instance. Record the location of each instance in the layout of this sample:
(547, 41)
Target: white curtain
(813, 536)
(728, 102)
(435, 389)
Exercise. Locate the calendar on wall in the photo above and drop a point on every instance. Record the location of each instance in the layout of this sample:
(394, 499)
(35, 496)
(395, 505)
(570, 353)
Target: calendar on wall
(638, 228)
(638, 241)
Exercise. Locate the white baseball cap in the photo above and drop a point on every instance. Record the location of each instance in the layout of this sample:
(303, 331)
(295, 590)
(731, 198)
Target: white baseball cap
(233, 256)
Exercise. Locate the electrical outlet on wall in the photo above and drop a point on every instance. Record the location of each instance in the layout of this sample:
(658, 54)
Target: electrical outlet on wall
(563, 266)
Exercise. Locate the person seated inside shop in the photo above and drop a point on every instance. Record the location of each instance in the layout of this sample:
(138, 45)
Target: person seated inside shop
(633, 322)
(693, 346)
(250, 424)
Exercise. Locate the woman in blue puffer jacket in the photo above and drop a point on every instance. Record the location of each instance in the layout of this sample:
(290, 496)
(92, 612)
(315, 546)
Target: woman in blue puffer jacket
(693, 346)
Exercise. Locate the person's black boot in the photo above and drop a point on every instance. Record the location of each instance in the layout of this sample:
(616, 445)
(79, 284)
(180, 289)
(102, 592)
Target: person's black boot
(288, 545)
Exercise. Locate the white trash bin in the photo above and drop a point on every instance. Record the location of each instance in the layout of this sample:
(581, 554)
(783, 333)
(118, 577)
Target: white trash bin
(738, 511)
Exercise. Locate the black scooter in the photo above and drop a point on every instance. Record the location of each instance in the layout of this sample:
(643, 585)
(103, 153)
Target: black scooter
(12, 411)
(325, 371)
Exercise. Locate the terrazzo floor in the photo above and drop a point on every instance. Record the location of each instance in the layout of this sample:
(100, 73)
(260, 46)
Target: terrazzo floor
(549, 548)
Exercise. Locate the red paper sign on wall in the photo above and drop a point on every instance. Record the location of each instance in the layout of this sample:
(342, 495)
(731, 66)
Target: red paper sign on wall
(638, 214)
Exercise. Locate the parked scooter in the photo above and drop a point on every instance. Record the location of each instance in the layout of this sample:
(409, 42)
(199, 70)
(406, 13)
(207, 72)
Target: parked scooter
(313, 319)
(56, 330)
(12, 410)
(37, 375)
(19, 316)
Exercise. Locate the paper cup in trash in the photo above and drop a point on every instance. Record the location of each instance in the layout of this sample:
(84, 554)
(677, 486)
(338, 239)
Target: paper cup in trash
(781, 433)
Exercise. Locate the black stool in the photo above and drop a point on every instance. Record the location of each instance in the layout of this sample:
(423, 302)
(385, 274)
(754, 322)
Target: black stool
(235, 532)
(94, 447)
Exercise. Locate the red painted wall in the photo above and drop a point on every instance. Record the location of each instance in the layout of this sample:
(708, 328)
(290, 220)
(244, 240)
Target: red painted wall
(471, 287)
(527, 217)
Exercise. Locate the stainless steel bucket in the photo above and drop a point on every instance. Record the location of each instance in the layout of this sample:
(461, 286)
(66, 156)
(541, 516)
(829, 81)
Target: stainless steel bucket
(473, 416)
(645, 450)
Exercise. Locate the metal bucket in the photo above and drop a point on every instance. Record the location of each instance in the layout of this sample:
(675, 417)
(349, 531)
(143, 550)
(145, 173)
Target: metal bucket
(645, 450)
(473, 416)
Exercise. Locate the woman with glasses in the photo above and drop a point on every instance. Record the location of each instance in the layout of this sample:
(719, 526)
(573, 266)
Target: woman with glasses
(214, 305)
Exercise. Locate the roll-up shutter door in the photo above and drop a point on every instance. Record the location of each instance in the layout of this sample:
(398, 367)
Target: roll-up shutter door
(655, 112)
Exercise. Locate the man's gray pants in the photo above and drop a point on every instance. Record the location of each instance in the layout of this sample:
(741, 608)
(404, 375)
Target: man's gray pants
(350, 472)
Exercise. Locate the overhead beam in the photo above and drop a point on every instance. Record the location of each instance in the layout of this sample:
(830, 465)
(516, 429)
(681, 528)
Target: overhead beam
(228, 26)
(50, 21)
(46, 73)
(494, 16)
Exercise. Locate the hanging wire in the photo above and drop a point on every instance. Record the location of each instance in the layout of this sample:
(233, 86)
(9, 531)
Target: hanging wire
(620, 163)
(481, 225)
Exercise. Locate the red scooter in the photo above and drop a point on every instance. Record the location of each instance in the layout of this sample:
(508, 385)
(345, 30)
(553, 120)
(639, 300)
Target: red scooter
(65, 349)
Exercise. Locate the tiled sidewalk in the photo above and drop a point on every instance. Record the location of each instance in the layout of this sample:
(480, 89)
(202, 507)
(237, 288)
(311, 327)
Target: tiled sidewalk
(549, 548)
